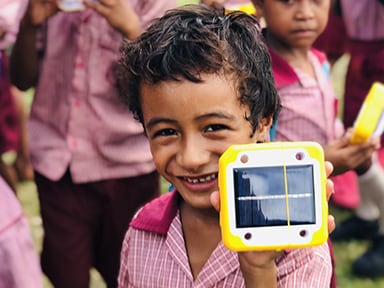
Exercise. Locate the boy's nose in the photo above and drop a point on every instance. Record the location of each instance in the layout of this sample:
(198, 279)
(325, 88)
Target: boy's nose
(192, 154)
(305, 10)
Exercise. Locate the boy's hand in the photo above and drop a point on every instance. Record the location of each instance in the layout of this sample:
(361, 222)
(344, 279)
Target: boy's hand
(119, 15)
(215, 196)
(258, 267)
(39, 11)
(345, 156)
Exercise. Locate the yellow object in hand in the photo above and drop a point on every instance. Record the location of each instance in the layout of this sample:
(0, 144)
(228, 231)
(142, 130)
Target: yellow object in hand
(370, 120)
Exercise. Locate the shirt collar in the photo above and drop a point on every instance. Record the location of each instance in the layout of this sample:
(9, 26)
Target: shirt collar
(157, 215)
(282, 72)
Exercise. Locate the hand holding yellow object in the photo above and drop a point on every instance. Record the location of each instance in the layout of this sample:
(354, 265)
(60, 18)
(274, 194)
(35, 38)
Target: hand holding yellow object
(370, 120)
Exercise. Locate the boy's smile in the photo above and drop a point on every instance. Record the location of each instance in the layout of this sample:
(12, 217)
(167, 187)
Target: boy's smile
(189, 126)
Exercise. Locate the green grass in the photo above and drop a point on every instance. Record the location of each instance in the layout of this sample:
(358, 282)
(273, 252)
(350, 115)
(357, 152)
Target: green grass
(183, 2)
(29, 200)
(345, 255)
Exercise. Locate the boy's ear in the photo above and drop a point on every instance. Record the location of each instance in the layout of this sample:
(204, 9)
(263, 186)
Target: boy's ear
(262, 131)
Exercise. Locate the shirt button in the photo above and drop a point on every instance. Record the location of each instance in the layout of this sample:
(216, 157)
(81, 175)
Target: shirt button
(73, 143)
(79, 63)
(76, 103)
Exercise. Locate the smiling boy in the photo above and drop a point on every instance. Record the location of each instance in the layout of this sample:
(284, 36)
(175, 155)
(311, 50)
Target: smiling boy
(199, 81)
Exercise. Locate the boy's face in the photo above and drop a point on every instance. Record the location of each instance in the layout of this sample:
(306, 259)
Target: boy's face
(294, 23)
(189, 125)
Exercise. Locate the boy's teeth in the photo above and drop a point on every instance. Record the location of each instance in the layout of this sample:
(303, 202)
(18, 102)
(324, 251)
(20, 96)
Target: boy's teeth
(201, 179)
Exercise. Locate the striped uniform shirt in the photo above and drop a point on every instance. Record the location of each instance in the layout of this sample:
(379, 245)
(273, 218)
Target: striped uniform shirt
(309, 106)
(154, 255)
(309, 113)
(19, 261)
(77, 119)
(11, 12)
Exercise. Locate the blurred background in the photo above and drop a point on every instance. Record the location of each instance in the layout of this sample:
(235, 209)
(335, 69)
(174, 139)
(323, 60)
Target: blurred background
(345, 252)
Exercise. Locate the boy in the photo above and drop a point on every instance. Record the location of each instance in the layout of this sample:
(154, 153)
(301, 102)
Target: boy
(308, 108)
(200, 80)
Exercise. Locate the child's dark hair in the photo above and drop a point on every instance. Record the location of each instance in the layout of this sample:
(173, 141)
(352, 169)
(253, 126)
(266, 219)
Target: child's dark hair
(193, 40)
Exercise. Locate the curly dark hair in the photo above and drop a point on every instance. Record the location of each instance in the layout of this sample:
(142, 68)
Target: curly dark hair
(193, 40)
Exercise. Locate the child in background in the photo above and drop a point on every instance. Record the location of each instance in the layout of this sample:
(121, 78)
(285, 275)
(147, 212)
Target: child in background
(364, 24)
(13, 144)
(9, 127)
(93, 166)
(20, 267)
(308, 102)
(200, 80)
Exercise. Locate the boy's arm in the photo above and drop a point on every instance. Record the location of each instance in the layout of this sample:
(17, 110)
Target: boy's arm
(129, 20)
(24, 58)
(259, 269)
(120, 15)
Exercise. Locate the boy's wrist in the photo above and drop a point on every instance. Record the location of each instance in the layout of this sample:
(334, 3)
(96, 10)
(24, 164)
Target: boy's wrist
(131, 32)
(260, 275)
(131, 29)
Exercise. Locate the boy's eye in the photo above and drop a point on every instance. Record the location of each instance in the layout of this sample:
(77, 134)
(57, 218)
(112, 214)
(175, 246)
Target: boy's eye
(215, 127)
(165, 132)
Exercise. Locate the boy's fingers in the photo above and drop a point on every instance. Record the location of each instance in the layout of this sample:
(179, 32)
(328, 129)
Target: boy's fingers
(331, 224)
(329, 188)
(215, 200)
(328, 168)
(97, 6)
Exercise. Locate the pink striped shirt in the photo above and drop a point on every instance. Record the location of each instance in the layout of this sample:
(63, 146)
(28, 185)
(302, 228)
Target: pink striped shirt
(309, 105)
(77, 119)
(309, 109)
(11, 12)
(154, 255)
(19, 262)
